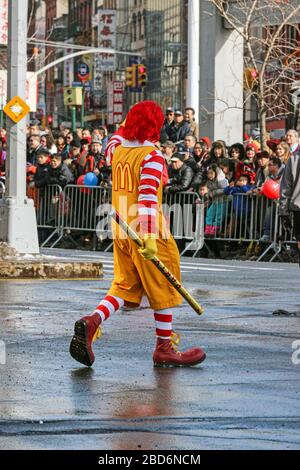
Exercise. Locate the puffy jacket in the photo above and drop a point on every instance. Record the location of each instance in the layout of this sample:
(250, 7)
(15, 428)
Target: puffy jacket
(60, 175)
(182, 179)
(41, 176)
(216, 187)
(241, 203)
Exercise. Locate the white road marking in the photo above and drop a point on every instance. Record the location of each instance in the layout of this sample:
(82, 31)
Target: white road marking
(189, 269)
(186, 264)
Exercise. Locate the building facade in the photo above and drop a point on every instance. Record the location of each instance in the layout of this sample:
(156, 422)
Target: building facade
(157, 31)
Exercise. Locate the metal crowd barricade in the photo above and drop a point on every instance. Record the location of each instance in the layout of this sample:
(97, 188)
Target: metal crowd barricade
(50, 207)
(283, 240)
(2, 190)
(185, 218)
(87, 209)
(83, 207)
(240, 217)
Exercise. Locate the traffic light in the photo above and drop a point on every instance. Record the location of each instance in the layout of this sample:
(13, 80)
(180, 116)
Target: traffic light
(131, 76)
(250, 78)
(50, 120)
(142, 76)
(73, 96)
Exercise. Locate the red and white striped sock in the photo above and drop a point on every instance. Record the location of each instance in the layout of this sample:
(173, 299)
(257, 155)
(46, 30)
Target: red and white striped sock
(163, 323)
(108, 306)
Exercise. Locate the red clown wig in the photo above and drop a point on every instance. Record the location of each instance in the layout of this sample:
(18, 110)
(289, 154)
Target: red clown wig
(144, 122)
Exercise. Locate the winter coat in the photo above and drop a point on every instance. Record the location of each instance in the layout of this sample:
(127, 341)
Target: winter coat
(216, 187)
(191, 162)
(178, 133)
(165, 131)
(32, 155)
(182, 179)
(241, 203)
(290, 186)
(41, 175)
(261, 176)
(194, 129)
(246, 168)
(60, 176)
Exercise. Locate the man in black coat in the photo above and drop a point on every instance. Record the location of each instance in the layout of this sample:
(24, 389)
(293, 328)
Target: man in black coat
(182, 175)
(167, 126)
(179, 129)
(59, 173)
(34, 148)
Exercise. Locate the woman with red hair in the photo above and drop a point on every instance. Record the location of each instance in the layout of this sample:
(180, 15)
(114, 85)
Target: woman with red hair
(137, 167)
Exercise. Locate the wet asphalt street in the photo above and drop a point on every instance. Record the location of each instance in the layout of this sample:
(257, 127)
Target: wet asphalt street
(246, 395)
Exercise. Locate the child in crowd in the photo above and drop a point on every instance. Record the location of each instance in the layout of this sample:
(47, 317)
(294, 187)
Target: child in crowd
(216, 183)
(241, 204)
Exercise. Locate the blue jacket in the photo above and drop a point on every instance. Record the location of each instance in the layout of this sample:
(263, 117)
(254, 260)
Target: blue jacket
(241, 202)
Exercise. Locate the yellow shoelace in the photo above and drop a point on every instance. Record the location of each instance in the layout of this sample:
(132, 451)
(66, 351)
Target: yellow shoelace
(97, 334)
(175, 340)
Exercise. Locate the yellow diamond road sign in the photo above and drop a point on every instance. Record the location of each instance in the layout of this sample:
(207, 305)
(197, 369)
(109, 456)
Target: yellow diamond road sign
(16, 109)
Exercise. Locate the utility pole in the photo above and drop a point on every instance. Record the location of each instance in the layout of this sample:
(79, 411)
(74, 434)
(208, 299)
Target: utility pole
(17, 214)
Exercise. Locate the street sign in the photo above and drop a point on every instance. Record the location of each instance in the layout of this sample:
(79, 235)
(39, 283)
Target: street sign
(16, 109)
(83, 71)
(116, 102)
(3, 22)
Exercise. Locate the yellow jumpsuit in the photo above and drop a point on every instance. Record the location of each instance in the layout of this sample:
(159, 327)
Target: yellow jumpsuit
(133, 275)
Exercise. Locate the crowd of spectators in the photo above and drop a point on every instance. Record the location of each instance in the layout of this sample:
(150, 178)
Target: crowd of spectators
(214, 169)
(192, 162)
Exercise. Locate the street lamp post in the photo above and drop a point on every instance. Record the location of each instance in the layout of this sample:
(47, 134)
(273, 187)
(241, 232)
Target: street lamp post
(193, 80)
(17, 214)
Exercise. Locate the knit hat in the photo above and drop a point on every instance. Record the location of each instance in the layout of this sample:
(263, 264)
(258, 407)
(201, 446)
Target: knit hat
(206, 140)
(253, 146)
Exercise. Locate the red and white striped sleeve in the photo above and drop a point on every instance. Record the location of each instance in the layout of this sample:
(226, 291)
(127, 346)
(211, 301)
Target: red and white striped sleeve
(115, 140)
(150, 178)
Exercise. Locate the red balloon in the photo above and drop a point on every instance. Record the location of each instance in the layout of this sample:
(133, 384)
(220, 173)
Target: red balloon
(80, 182)
(271, 189)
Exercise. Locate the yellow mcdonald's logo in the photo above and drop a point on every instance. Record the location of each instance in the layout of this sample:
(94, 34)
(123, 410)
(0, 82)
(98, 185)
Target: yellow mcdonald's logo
(123, 177)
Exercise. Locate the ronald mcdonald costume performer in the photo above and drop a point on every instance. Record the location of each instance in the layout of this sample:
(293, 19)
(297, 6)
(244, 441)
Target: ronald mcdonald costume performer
(137, 167)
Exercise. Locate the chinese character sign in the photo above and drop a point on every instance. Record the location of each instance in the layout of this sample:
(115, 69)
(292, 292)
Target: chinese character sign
(107, 38)
(115, 102)
(118, 88)
(3, 21)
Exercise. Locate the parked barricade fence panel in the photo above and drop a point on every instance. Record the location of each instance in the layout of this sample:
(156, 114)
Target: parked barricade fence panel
(84, 207)
(2, 190)
(185, 218)
(49, 204)
(239, 217)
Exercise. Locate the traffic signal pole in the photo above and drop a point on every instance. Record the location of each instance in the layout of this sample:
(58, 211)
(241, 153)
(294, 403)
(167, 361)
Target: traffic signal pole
(17, 214)
(82, 109)
(73, 111)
